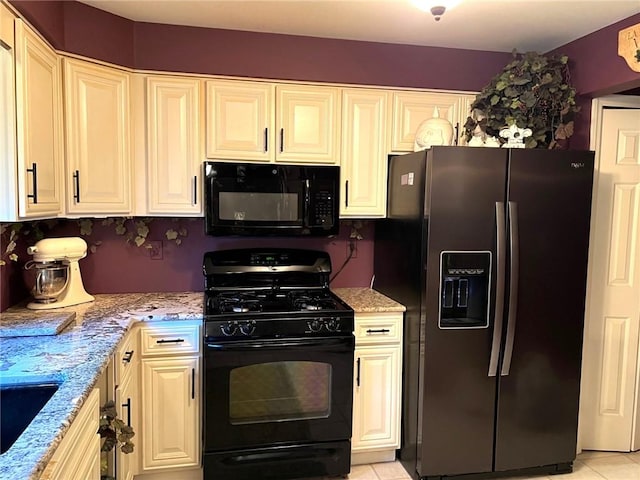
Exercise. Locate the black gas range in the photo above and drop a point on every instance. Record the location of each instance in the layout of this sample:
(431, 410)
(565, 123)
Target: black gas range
(278, 366)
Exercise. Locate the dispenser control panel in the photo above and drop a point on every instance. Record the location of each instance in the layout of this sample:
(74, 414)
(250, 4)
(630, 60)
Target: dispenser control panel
(465, 280)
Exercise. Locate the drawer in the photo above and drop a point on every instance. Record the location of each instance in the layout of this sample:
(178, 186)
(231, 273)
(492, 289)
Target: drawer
(375, 328)
(175, 338)
(127, 354)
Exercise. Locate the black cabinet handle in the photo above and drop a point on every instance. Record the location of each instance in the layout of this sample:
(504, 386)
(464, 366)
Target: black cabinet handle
(34, 182)
(358, 373)
(281, 140)
(76, 177)
(195, 189)
(193, 383)
(266, 139)
(127, 356)
(346, 193)
(174, 340)
(128, 407)
(378, 330)
(457, 132)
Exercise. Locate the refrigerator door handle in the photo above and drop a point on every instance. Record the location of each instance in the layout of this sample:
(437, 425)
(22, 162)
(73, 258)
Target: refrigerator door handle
(501, 256)
(514, 244)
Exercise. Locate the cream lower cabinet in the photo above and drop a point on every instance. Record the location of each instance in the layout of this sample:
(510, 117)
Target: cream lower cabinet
(173, 172)
(377, 387)
(78, 455)
(365, 146)
(31, 138)
(127, 401)
(170, 426)
(410, 109)
(265, 122)
(98, 143)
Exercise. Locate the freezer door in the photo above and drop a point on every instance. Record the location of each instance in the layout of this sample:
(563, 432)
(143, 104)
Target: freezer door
(549, 207)
(457, 403)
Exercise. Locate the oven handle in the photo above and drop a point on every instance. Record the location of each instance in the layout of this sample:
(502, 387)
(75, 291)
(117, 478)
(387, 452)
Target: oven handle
(347, 343)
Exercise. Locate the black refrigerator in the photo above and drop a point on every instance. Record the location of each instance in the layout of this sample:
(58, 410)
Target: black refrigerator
(487, 248)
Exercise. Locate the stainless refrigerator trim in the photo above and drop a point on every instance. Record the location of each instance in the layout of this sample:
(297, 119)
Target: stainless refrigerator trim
(501, 256)
(514, 272)
(488, 283)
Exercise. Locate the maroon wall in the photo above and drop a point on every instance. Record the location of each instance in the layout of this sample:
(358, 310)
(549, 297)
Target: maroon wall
(596, 67)
(118, 266)
(78, 28)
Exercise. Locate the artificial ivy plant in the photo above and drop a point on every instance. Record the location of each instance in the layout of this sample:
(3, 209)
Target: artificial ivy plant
(533, 91)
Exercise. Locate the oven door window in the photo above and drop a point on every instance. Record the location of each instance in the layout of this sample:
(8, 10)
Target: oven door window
(279, 391)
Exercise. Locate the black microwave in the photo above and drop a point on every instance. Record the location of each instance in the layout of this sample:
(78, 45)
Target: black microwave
(260, 199)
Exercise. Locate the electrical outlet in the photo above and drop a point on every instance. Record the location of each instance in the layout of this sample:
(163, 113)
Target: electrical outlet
(352, 243)
(155, 249)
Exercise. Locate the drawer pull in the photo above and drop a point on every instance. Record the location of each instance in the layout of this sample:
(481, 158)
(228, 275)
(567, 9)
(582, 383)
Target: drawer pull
(173, 340)
(377, 330)
(127, 356)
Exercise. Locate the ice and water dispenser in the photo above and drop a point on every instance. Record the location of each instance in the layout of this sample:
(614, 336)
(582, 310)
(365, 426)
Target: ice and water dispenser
(465, 280)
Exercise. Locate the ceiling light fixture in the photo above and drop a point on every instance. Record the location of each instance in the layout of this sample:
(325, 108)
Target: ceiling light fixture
(436, 7)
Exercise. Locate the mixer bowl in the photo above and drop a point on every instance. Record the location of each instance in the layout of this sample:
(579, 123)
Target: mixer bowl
(46, 280)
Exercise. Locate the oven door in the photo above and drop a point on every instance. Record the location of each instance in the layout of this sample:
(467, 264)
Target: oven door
(277, 391)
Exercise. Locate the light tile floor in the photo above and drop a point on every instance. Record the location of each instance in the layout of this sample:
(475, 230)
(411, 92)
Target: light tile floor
(588, 466)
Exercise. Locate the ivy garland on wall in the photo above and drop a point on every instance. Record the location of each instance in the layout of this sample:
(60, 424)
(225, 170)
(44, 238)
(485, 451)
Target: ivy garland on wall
(134, 230)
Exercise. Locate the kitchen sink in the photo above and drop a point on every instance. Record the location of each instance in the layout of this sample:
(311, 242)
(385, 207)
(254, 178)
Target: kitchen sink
(20, 403)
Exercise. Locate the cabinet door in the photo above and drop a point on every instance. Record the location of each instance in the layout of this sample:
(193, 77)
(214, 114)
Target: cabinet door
(240, 120)
(126, 401)
(364, 153)
(77, 457)
(171, 421)
(307, 123)
(376, 398)
(173, 146)
(38, 127)
(410, 109)
(97, 138)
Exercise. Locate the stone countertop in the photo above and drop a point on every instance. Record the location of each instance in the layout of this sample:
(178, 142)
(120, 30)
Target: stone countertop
(75, 357)
(367, 300)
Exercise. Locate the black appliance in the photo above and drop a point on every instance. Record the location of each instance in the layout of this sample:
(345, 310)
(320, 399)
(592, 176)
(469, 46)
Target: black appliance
(487, 248)
(282, 200)
(278, 367)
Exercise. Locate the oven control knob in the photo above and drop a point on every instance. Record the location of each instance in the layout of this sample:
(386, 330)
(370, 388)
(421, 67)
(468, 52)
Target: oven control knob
(315, 325)
(228, 329)
(332, 324)
(248, 328)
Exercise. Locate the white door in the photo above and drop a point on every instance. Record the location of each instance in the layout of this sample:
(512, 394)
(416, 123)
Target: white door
(609, 403)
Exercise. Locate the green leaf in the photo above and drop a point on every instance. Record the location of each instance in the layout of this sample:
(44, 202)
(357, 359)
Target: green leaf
(495, 99)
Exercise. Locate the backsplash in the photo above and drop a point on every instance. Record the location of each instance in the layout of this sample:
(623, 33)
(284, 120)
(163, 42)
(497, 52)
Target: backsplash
(118, 266)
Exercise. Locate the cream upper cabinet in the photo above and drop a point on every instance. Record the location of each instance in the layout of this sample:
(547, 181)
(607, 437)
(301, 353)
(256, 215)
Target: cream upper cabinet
(240, 120)
(98, 143)
(411, 108)
(365, 146)
(307, 123)
(377, 387)
(174, 172)
(32, 109)
(263, 122)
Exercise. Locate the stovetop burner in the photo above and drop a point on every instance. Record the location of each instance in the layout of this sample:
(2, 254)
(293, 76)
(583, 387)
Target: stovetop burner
(231, 302)
(271, 293)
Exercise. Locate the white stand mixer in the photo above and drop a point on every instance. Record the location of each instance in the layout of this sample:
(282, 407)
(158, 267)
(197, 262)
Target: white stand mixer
(57, 281)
